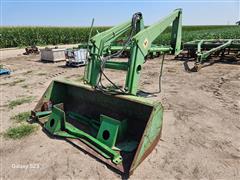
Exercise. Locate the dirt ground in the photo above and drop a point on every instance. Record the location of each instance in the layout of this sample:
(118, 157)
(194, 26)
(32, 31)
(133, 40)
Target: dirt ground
(200, 137)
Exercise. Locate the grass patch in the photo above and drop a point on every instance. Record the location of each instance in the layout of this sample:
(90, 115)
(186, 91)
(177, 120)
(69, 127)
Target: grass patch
(21, 117)
(13, 83)
(16, 82)
(20, 131)
(25, 86)
(41, 74)
(20, 101)
(28, 72)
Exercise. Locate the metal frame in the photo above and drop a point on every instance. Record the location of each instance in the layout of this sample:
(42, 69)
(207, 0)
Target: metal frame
(153, 52)
(202, 50)
(140, 46)
(73, 110)
(4, 71)
(59, 92)
(206, 48)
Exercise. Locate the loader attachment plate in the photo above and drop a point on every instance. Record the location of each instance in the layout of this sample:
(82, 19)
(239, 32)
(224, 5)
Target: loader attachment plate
(119, 130)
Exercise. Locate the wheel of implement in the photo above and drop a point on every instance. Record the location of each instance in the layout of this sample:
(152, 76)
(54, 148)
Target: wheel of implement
(195, 68)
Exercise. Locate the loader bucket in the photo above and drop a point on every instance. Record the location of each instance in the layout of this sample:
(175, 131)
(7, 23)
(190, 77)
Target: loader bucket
(119, 130)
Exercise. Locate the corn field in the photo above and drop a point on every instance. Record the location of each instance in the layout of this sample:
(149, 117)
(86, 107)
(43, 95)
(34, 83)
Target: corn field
(203, 32)
(26, 36)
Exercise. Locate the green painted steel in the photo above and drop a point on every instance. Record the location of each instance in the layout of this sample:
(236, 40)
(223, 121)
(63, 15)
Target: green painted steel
(57, 125)
(56, 121)
(141, 120)
(100, 42)
(43, 113)
(161, 49)
(154, 48)
(145, 38)
(206, 47)
(117, 65)
(109, 130)
(123, 128)
(140, 46)
(92, 123)
(202, 56)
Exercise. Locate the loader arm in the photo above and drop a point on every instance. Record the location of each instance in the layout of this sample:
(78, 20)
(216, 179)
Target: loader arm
(140, 46)
(142, 43)
(145, 38)
(120, 130)
(102, 41)
(106, 37)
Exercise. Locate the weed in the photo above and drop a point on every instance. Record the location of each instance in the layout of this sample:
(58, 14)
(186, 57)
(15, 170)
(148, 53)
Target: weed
(21, 117)
(20, 101)
(16, 82)
(25, 86)
(20, 131)
(41, 74)
(28, 72)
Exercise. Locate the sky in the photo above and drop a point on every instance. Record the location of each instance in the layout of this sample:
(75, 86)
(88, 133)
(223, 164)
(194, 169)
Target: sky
(113, 12)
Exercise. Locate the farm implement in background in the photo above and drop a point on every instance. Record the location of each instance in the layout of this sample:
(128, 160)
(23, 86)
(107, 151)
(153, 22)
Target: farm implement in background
(4, 71)
(115, 125)
(76, 57)
(211, 50)
(154, 51)
(31, 50)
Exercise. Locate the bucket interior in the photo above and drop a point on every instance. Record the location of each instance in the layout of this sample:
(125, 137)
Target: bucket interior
(92, 104)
